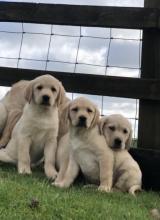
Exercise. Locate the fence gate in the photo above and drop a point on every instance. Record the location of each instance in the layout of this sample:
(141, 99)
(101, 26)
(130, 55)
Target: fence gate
(147, 88)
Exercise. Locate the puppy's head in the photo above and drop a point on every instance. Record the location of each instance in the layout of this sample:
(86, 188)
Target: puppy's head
(81, 113)
(45, 90)
(117, 131)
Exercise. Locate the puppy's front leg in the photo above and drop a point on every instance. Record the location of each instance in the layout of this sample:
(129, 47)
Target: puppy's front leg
(49, 158)
(106, 172)
(70, 175)
(12, 119)
(24, 166)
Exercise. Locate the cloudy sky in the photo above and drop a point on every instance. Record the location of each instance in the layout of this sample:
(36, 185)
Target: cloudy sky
(104, 51)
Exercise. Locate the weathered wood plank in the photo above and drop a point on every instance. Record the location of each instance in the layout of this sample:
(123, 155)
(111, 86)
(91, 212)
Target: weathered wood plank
(149, 112)
(90, 84)
(118, 17)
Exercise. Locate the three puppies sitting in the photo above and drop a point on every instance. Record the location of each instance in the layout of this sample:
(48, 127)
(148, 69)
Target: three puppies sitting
(96, 147)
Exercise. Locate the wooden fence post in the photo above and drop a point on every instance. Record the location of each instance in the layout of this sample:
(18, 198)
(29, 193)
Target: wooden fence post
(149, 111)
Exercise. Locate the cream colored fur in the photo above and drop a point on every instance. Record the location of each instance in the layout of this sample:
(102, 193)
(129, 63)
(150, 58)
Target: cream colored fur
(11, 108)
(84, 148)
(127, 173)
(35, 134)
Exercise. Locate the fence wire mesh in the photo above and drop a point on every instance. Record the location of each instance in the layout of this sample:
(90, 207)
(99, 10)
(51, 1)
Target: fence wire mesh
(104, 51)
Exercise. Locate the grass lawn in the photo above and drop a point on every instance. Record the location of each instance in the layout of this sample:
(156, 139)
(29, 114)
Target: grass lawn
(77, 203)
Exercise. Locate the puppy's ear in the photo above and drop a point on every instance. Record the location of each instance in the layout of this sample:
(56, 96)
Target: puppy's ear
(96, 118)
(61, 94)
(29, 92)
(103, 122)
(101, 125)
(129, 140)
(64, 117)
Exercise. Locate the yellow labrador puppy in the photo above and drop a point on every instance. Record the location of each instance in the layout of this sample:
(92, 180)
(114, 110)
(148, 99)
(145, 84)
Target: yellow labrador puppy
(35, 134)
(11, 108)
(118, 134)
(87, 149)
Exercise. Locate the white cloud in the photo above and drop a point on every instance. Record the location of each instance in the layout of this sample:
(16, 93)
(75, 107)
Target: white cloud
(96, 32)
(93, 51)
(123, 72)
(90, 69)
(10, 45)
(61, 67)
(126, 33)
(3, 91)
(35, 46)
(63, 48)
(124, 53)
(125, 106)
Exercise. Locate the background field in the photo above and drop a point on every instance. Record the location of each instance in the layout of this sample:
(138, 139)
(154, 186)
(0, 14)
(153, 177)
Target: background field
(32, 197)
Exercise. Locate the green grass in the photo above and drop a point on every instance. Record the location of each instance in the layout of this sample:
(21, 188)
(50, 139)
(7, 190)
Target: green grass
(77, 203)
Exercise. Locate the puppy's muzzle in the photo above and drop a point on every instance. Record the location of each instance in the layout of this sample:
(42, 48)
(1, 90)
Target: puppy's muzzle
(117, 143)
(45, 100)
(82, 121)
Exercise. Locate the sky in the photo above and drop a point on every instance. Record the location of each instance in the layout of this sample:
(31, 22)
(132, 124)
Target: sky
(118, 49)
(127, 3)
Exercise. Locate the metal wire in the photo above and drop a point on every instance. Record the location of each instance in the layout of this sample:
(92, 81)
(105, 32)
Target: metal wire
(19, 54)
(67, 35)
(48, 48)
(107, 59)
(80, 36)
(67, 62)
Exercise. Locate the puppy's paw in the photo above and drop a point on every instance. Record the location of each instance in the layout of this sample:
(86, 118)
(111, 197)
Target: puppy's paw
(61, 184)
(104, 188)
(58, 184)
(24, 170)
(3, 143)
(134, 189)
(51, 173)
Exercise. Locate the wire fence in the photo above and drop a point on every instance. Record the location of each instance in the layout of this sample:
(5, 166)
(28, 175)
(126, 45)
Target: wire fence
(104, 51)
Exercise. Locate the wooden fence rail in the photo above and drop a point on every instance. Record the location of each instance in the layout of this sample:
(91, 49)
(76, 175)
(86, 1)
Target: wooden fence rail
(148, 89)
(116, 17)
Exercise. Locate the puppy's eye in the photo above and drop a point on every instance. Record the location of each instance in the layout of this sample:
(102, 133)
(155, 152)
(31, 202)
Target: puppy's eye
(125, 131)
(39, 87)
(75, 109)
(53, 89)
(89, 110)
(112, 128)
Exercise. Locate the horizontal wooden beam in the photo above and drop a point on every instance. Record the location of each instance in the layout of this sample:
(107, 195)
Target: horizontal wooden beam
(100, 16)
(148, 89)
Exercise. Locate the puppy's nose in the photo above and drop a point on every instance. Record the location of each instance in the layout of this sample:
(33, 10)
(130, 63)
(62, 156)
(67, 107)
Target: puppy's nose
(117, 142)
(46, 98)
(82, 118)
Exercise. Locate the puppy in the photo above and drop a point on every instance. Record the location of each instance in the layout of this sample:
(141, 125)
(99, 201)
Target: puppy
(35, 134)
(11, 108)
(118, 134)
(84, 148)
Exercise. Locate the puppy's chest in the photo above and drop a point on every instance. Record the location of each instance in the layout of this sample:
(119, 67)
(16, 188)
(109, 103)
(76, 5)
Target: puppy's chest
(39, 139)
(37, 128)
(39, 136)
(39, 132)
(86, 159)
